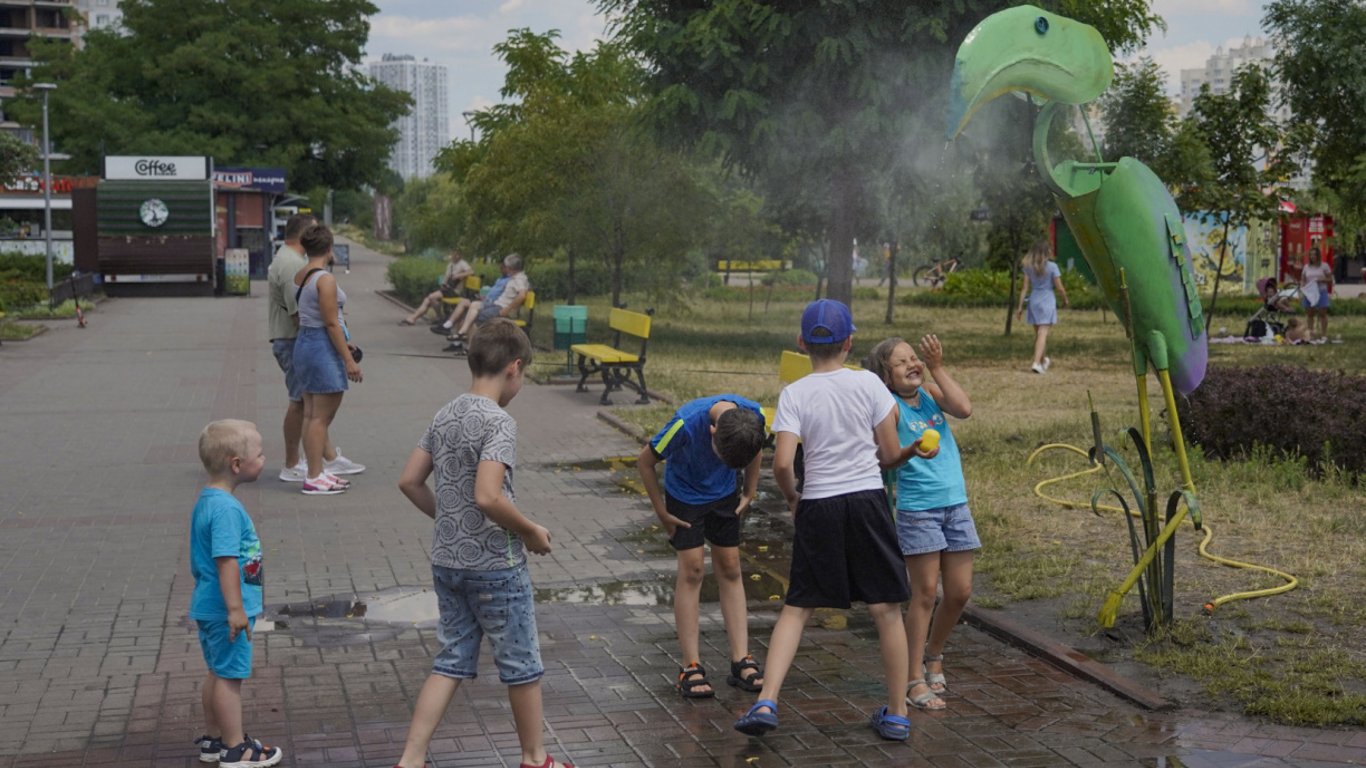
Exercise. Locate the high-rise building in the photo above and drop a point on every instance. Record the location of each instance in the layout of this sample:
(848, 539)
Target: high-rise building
(100, 14)
(21, 21)
(1218, 73)
(426, 129)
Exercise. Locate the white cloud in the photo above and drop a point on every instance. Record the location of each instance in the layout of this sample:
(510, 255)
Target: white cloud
(406, 34)
(1176, 8)
(511, 6)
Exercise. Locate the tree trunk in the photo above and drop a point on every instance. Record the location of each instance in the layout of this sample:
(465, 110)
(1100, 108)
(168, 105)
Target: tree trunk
(839, 265)
(618, 258)
(891, 279)
(1223, 250)
(569, 297)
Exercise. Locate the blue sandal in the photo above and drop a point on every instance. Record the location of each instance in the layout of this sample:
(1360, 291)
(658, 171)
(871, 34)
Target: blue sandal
(756, 723)
(890, 727)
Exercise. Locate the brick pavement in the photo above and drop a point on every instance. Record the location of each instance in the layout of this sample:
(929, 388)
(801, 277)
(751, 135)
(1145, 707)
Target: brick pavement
(98, 664)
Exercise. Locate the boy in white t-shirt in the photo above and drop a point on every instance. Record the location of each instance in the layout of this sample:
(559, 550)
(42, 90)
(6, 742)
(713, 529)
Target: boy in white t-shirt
(844, 547)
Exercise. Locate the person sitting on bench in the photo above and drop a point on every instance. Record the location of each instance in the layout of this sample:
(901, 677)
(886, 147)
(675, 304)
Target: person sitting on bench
(505, 304)
(451, 284)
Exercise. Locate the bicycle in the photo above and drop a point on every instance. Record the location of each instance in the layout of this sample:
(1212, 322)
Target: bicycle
(935, 274)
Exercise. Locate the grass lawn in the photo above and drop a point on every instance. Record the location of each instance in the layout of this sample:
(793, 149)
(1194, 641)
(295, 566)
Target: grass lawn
(1290, 657)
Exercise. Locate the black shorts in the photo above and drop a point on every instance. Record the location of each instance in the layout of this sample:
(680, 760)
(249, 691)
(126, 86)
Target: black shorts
(715, 521)
(845, 550)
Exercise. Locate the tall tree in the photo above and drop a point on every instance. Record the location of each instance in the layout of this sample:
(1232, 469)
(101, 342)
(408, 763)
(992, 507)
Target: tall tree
(1321, 67)
(1244, 142)
(250, 82)
(563, 165)
(1142, 125)
(815, 99)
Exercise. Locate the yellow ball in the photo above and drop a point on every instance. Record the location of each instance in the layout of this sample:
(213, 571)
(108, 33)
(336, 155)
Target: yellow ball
(929, 440)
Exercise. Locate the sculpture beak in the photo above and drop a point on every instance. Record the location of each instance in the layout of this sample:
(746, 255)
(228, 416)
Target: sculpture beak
(1026, 49)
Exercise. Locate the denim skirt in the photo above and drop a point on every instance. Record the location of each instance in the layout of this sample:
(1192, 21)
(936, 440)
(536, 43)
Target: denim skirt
(317, 366)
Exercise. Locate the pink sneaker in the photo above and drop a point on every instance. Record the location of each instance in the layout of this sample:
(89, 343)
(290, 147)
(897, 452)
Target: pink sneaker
(323, 485)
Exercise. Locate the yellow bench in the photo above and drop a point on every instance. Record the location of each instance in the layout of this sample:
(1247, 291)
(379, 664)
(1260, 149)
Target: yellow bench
(614, 363)
(757, 265)
(793, 366)
(472, 285)
(530, 306)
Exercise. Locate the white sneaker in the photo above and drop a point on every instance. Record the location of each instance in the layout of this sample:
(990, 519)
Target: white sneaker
(1037, 368)
(340, 482)
(295, 474)
(322, 486)
(343, 466)
(1047, 361)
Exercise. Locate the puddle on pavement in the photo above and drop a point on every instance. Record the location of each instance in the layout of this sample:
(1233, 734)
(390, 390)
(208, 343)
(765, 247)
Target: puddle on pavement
(398, 607)
(655, 592)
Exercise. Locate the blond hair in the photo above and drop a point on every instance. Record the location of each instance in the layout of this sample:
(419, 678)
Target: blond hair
(222, 441)
(1037, 257)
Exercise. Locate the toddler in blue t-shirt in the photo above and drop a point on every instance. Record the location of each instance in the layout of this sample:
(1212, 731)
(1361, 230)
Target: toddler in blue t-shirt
(225, 559)
(933, 523)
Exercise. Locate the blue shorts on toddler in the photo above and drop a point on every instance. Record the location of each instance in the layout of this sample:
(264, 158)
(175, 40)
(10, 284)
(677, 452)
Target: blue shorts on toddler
(228, 659)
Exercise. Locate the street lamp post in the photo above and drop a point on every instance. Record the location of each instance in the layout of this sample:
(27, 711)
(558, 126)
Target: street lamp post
(469, 123)
(45, 88)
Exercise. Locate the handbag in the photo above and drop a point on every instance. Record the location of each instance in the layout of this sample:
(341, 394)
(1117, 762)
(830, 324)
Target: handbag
(355, 353)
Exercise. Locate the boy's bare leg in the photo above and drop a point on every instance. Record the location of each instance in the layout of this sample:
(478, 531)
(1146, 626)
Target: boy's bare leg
(891, 637)
(923, 571)
(227, 708)
(687, 595)
(212, 725)
(725, 563)
(782, 648)
(526, 713)
(957, 576)
(432, 701)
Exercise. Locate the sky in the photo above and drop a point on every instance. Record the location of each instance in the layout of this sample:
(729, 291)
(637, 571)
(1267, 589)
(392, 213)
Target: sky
(461, 34)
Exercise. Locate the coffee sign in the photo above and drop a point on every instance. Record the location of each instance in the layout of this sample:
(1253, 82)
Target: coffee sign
(156, 168)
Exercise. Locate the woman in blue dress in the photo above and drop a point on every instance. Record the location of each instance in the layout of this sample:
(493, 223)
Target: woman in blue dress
(1042, 282)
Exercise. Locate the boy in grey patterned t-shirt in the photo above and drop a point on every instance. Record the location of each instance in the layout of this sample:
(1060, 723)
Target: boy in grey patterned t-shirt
(479, 547)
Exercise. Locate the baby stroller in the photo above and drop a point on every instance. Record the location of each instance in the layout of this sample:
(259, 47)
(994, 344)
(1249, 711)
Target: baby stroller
(1277, 304)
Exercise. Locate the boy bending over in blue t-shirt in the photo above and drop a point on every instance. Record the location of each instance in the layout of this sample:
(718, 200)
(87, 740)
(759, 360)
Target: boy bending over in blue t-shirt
(844, 547)
(225, 559)
(704, 445)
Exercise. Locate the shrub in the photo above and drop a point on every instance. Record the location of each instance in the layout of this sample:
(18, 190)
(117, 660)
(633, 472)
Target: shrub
(22, 266)
(414, 277)
(551, 279)
(16, 294)
(1241, 412)
(991, 288)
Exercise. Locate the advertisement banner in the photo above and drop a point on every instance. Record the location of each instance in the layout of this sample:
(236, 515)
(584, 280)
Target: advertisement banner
(156, 168)
(236, 272)
(251, 179)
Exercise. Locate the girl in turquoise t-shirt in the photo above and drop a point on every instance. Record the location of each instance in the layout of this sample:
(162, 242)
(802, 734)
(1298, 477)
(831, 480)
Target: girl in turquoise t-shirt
(933, 523)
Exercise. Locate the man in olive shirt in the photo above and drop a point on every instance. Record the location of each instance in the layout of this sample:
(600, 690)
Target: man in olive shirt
(283, 311)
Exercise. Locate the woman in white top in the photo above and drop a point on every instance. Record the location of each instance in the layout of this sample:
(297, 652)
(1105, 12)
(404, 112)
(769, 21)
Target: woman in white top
(1316, 280)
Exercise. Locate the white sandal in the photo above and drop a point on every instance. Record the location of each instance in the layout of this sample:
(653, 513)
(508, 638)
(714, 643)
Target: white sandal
(926, 700)
(934, 679)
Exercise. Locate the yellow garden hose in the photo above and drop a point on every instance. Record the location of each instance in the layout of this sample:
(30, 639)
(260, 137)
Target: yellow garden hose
(1209, 607)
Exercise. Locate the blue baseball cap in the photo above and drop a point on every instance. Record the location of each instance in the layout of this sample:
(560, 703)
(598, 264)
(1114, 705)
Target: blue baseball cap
(826, 321)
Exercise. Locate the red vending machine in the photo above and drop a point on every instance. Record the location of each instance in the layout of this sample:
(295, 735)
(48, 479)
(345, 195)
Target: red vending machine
(1299, 233)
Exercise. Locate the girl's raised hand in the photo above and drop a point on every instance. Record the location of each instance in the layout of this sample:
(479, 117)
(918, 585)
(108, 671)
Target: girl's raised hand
(931, 351)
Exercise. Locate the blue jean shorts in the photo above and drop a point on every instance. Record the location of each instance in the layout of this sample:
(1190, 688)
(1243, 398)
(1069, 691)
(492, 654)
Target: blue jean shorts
(317, 366)
(284, 357)
(943, 529)
(1322, 303)
(494, 603)
(228, 660)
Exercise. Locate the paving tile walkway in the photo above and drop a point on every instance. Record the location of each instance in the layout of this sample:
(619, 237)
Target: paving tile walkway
(99, 666)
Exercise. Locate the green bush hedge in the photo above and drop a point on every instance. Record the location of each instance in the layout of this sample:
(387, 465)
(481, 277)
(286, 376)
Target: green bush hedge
(414, 277)
(23, 280)
(1320, 415)
(550, 279)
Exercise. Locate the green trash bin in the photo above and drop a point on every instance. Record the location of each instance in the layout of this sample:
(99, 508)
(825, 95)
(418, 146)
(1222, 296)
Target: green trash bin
(571, 327)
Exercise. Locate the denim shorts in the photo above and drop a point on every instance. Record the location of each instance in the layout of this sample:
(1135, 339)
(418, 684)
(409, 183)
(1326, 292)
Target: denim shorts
(1322, 303)
(494, 603)
(942, 529)
(487, 313)
(228, 660)
(317, 366)
(284, 356)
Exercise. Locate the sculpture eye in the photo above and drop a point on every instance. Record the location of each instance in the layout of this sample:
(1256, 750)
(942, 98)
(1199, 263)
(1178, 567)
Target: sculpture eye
(1041, 25)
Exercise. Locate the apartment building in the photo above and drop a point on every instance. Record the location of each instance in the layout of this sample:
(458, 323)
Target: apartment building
(426, 129)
